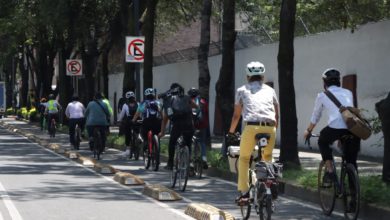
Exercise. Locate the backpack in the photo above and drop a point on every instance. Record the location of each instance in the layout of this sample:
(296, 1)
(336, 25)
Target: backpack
(180, 107)
(129, 117)
(197, 113)
(151, 111)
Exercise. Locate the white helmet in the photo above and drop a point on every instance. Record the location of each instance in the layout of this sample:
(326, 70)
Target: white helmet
(130, 94)
(255, 68)
(149, 91)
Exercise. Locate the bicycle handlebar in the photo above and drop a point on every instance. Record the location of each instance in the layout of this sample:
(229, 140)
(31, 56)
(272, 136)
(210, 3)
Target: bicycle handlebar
(307, 140)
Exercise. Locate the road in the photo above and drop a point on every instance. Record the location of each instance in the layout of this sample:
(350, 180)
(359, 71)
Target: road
(36, 183)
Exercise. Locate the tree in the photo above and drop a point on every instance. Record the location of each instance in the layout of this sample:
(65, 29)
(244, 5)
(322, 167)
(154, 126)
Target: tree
(288, 120)
(148, 30)
(203, 51)
(225, 84)
(383, 109)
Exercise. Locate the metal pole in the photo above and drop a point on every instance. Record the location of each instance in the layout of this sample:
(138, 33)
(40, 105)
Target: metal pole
(137, 65)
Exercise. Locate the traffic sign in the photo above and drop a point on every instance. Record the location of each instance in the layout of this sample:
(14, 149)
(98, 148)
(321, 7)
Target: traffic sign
(135, 47)
(74, 67)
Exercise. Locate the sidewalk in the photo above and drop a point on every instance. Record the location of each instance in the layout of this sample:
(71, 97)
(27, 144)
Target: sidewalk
(309, 160)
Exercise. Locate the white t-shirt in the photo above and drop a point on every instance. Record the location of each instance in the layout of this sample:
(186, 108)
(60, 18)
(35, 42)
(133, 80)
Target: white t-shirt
(75, 109)
(323, 102)
(258, 101)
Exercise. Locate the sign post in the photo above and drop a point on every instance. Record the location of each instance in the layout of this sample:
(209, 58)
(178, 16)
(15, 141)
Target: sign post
(74, 68)
(135, 47)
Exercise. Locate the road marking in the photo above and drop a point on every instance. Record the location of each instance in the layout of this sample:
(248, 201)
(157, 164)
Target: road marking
(163, 205)
(13, 212)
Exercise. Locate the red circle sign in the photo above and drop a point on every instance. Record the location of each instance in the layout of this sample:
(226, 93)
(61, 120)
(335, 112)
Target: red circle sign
(74, 67)
(137, 53)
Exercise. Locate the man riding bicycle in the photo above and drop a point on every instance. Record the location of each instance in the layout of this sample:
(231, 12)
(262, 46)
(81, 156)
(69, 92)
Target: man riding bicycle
(129, 108)
(97, 116)
(178, 110)
(259, 107)
(201, 120)
(336, 127)
(150, 110)
(75, 113)
(51, 110)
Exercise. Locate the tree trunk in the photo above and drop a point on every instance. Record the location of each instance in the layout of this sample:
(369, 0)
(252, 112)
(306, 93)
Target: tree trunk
(288, 119)
(65, 87)
(383, 109)
(128, 29)
(23, 98)
(203, 52)
(148, 30)
(7, 68)
(225, 84)
(203, 56)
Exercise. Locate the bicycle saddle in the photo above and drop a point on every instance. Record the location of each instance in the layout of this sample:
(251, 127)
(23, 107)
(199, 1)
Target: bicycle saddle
(262, 138)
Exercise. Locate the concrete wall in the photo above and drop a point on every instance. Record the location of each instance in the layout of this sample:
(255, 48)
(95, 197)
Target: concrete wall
(364, 53)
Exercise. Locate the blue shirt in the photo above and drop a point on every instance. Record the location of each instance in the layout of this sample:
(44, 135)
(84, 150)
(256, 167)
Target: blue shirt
(95, 114)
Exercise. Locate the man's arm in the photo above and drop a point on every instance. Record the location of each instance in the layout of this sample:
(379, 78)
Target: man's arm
(235, 118)
(164, 123)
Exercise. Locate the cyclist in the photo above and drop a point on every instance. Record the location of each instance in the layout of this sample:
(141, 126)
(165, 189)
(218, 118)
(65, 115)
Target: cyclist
(75, 113)
(336, 127)
(201, 120)
(259, 106)
(126, 115)
(51, 110)
(41, 109)
(177, 109)
(121, 102)
(150, 110)
(97, 116)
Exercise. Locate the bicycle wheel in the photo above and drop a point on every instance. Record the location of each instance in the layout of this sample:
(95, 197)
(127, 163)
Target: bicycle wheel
(351, 194)
(97, 142)
(136, 145)
(198, 163)
(183, 169)
(327, 194)
(246, 208)
(175, 168)
(156, 153)
(77, 137)
(265, 208)
(52, 128)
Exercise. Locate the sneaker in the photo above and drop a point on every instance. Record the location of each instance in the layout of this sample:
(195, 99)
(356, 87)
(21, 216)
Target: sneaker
(327, 180)
(243, 199)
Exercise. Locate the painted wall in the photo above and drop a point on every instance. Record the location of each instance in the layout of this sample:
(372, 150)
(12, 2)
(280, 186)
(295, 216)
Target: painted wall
(364, 53)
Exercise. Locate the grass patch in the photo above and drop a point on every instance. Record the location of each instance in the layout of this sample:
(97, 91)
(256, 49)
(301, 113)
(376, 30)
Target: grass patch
(164, 146)
(372, 188)
(215, 159)
(116, 141)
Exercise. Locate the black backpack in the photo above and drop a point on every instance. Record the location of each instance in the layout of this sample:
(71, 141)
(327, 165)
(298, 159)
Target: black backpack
(132, 109)
(180, 107)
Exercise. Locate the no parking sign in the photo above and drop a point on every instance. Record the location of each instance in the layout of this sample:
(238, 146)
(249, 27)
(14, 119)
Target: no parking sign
(74, 67)
(135, 47)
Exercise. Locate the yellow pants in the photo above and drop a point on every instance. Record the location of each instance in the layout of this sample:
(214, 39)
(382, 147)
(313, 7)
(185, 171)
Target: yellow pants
(247, 146)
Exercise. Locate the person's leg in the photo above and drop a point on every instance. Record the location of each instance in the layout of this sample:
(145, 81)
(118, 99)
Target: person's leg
(327, 137)
(247, 145)
(90, 136)
(351, 150)
(187, 136)
(267, 151)
(72, 126)
(174, 135)
(202, 142)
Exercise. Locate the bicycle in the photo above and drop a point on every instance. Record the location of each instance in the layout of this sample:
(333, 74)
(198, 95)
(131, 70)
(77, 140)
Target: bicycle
(345, 185)
(197, 157)
(151, 153)
(77, 136)
(180, 170)
(263, 180)
(52, 130)
(97, 141)
(136, 140)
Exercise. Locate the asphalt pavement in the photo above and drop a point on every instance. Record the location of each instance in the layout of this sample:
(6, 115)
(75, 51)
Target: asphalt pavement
(211, 189)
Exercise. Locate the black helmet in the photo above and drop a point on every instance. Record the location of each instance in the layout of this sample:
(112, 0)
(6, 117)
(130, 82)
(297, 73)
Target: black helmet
(331, 74)
(193, 92)
(176, 89)
(51, 97)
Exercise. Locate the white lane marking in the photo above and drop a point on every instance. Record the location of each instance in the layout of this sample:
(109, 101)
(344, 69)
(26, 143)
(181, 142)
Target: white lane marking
(13, 212)
(163, 205)
(1, 217)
